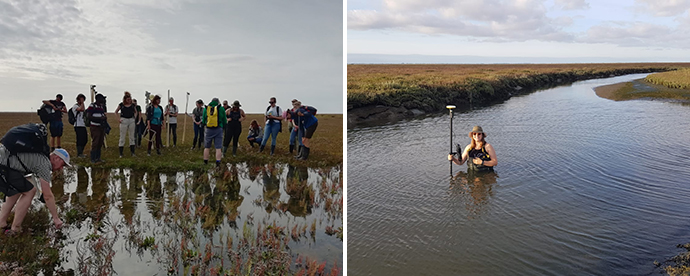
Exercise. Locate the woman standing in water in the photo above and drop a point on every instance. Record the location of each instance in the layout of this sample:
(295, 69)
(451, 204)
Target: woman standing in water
(481, 155)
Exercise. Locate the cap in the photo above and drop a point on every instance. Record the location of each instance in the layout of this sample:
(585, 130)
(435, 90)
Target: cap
(236, 103)
(100, 96)
(62, 153)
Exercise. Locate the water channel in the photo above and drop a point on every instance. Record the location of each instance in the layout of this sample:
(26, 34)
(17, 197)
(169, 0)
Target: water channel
(583, 186)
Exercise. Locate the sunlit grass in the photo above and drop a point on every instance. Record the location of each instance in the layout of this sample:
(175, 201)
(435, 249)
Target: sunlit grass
(430, 87)
(679, 79)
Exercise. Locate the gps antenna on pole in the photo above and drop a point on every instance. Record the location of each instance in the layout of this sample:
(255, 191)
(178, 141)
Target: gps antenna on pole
(450, 108)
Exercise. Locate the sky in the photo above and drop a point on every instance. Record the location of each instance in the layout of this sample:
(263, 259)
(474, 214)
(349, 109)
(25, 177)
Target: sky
(244, 50)
(515, 31)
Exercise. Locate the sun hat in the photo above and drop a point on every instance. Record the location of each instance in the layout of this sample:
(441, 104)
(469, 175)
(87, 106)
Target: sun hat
(62, 153)
(236, 103)
(476, 129)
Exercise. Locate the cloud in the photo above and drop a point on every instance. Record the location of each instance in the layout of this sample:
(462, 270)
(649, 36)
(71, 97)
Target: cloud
(493, 20)
(634, 34)
(572, 4)
(664, 8)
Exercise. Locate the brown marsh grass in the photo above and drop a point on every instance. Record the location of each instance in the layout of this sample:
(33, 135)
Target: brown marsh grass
(327, 145)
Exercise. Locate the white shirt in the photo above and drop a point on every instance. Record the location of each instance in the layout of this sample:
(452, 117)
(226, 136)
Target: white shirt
(273, 111)
(171, 110)
(80, 116)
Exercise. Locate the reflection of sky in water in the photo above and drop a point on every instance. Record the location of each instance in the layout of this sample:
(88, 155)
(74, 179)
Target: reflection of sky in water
(258, 195)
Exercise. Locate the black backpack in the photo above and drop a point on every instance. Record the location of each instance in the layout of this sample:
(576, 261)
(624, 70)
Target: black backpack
(71, 117)
(280, 122)
(45, 113)
(27, 138)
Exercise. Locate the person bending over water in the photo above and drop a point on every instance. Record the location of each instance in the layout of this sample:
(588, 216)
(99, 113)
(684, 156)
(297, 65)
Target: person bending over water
(479, 154)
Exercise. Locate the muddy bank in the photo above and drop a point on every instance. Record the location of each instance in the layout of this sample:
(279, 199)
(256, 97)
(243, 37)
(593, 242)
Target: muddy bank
(423, 98)
(641, 89)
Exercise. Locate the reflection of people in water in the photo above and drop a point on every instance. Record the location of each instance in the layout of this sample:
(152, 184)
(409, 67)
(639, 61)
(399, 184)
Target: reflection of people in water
(479, 154)
(477, 185)
(271, 187)
(129, 195)
(299, 204)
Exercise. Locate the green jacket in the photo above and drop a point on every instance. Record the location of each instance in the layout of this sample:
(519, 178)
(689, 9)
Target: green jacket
(221, 114)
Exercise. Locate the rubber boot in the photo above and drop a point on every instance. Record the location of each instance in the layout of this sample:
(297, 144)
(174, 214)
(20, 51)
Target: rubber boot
(148, 151)
(158, 151)
(300, 152)
(131, 149)
(251, 143)
(273, 149)
(234, 150)
(80, 151)
(305, 154)
(292, 148)
(225, 149)
(122, 149)
(261, 148)
(93, 156)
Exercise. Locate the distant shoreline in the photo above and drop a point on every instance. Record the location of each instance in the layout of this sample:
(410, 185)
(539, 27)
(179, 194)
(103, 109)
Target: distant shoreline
(640, 89)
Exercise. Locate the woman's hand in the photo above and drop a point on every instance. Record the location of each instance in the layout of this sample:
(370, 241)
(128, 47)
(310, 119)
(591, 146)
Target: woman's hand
(450, 157)
(477, 161)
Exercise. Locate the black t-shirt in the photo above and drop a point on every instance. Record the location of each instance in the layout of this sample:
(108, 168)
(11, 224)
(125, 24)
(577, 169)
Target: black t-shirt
(127, 112)
(57, 115)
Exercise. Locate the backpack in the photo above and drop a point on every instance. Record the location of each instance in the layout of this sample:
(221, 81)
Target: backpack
(27, 138)
(212, 116)
(311, 110)
(71, 117)
(45, 113)
(280, 122)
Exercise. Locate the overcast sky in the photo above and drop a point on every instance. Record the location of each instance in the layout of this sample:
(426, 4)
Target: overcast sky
(518, 30)
(245, 50)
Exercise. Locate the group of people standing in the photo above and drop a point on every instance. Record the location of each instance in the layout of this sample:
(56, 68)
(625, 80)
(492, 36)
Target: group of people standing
(221, 125)
(214, 123)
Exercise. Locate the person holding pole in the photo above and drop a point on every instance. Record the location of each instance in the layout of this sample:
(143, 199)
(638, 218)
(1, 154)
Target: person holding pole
(479, 154)
(171, 113)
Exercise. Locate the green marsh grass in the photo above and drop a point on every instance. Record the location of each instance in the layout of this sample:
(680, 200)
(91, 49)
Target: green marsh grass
(679, 79)
(431, 87)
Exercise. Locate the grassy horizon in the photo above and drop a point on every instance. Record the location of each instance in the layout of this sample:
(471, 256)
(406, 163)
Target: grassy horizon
(327, 145)
(427, 86)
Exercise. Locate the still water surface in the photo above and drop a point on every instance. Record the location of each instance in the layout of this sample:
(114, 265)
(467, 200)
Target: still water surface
(121, 206)
(583, 186)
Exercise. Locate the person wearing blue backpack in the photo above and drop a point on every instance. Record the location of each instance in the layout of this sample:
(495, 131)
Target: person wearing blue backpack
(309, 122)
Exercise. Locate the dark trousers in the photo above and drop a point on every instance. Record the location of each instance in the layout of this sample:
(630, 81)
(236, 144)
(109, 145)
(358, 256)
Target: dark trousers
(97, 136)
(159, 141)
(173, 129)
(198, 133)
(232, 134)
(141, 127)
(82, 136)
